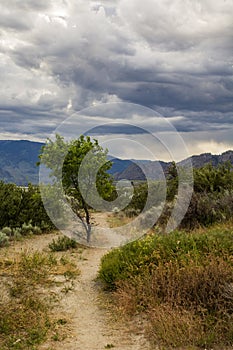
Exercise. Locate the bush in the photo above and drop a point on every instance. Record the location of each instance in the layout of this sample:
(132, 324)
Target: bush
(62, 244)
(181, 282)
(212, 179)
(205, 209)
(4, 239)
(16, 233)
(19, 205)
(133, 258)
(36, 230)
(211, 201)
(7, 231)
(194, 293)
(27, 229)
(140, 197)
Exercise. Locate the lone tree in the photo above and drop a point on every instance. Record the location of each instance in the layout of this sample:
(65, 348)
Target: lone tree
(84, 156)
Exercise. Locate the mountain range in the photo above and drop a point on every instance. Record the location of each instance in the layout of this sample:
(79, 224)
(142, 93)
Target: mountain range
(18, 163)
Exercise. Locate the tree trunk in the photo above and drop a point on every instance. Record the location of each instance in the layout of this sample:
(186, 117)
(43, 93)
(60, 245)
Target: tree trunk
(88, 224)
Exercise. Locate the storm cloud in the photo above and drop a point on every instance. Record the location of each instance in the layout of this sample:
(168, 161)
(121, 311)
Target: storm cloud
(58, 57)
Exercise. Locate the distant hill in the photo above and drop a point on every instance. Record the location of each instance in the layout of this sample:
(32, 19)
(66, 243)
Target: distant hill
(18, 163)
(140, 170)
(205, 158)
(155, 170)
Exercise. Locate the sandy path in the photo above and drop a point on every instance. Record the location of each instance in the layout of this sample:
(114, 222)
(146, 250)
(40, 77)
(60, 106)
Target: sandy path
(91, 326)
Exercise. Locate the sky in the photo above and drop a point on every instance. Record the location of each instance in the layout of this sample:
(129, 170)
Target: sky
(76, 61)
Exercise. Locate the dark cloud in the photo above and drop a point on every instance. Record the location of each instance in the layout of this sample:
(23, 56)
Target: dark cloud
(116, 128)
(58, 57)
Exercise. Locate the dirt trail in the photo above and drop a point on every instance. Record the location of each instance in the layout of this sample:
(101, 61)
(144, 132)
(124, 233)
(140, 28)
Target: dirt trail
(91, 327)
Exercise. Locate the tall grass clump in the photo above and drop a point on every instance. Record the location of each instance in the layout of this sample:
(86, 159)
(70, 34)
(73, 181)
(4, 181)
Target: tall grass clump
(4, 239)
(182, 283)
(62, 243)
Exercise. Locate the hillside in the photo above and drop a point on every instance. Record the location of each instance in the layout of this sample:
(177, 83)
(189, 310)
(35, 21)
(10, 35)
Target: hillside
(155, 169)
(18, 163)
(199, 160)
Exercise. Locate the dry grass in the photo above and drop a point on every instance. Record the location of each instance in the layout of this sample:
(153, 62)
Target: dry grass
(181, 284)
(189, 305)
(26, 303)
(173, 327)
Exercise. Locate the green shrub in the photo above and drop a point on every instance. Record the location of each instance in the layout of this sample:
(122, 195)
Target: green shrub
(4, 239)
(62, 244)
(19, 205)
(36, 230)
(26, 229)
(133, 258)
(140, 196)
(211, 200)
(16, 232)
(206, 209)
(7, 231)
(182, 283)
(212, 179)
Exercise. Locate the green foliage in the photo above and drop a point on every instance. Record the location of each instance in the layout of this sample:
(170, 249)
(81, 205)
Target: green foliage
(32, 209)
(211, 200)
(4, 239)
(155, 249)
(54, 205)
(214, 179)
(140, 197)
(67, 160)
(73, 154)
(183, 284)
(26, 229)
(62, 244)
(29, 229)
(207, 208)
(16, 233)
(172, 181)
(7, 231)
(10, 201)
(36, 230)
(20, 205)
